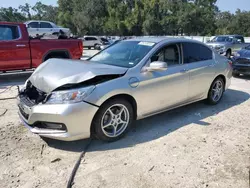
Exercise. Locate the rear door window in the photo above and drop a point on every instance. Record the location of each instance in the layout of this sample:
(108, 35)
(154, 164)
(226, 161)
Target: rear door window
(194, 52)
(33, 25)
(9, 32)
(45, 25)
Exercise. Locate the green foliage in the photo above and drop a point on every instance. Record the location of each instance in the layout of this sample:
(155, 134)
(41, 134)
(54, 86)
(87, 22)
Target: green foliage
(135, 17)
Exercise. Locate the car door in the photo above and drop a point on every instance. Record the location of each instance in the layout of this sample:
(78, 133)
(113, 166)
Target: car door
(238, 43)
(87, 42)
(45, 28)
(33, 28)
(160, 90)
(14, 50)
(199, 59)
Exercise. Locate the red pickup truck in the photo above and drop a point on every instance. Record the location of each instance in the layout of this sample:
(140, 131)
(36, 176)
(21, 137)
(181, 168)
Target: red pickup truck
(20, 52)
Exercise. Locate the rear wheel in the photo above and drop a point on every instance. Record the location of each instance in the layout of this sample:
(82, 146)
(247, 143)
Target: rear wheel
(228, 54)
(113, 120)
(216, 91)
(236, 74)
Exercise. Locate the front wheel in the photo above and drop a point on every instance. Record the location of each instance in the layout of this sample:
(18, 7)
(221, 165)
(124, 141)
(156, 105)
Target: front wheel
(216, 91)
(113, 120)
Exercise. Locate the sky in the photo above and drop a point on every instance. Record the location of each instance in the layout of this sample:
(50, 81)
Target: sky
(224, 5)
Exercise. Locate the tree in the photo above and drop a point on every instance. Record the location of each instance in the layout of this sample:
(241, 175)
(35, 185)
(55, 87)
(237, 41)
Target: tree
(25, 9)
(11, 15)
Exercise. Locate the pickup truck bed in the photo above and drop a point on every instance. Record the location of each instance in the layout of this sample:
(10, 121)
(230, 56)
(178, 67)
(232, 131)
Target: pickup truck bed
(19, 52)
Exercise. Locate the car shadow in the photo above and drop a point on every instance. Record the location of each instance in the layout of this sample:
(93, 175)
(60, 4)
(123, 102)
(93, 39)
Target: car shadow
(159, 125)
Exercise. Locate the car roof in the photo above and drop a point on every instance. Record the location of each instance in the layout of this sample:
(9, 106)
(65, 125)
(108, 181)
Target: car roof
(161, 39)
(229, 36)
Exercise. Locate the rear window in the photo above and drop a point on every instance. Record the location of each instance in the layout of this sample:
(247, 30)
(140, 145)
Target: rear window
(8, 32)
(194, 52)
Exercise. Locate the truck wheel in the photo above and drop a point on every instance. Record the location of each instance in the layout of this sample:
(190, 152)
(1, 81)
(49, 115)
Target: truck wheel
(228, 54)
(113, 120)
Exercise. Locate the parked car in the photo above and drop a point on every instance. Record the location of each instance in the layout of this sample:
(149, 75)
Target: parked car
(19, 52)
(241, 62)
(227, 44)
(94, 42)
(110, 42)
(130, 80)
(37, 27)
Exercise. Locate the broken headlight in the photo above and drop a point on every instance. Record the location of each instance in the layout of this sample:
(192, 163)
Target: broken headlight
(70, 96)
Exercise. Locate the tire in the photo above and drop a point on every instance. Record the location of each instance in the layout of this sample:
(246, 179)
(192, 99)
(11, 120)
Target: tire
(96, 46)
(236, 74)
(211, 99)
(228, 54)
(103, 116)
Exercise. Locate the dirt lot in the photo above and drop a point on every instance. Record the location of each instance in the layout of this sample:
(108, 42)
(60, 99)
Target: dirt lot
(194, 146)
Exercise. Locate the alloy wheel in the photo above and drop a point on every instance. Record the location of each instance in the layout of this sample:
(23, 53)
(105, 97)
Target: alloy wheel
(115, 120)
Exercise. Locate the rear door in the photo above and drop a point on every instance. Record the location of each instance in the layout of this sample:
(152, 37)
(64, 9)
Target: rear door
(14, 50)
(199, 59)
(46, 28)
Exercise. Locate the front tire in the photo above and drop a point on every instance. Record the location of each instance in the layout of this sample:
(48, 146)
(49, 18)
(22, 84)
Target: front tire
(216, 91)
(113, 120)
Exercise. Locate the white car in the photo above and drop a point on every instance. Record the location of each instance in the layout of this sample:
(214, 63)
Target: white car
(44, 27)
(94, 42)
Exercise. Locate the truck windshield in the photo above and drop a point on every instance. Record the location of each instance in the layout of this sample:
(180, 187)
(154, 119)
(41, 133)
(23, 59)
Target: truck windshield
(123, 54)
(222, 39)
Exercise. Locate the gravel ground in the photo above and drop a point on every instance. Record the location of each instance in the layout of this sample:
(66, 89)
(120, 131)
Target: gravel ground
(193, 146)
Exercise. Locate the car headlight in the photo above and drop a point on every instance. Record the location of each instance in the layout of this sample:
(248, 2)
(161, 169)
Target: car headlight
(70, 96)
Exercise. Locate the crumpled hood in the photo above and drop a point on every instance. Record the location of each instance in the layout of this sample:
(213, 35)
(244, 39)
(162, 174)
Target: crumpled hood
(58, 72)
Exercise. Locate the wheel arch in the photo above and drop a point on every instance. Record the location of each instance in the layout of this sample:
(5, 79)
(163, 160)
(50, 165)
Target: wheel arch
(127, 97)
(63, 51)
(218, 76)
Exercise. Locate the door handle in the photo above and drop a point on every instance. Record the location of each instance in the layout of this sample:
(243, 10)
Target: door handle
(184, 70)
(212, 65)
(20, 45)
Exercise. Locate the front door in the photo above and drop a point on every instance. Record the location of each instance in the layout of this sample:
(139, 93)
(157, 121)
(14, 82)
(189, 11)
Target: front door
(14, 51)
(160, 90)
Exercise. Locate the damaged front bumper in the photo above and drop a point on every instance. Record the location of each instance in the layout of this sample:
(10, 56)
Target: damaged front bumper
(65, 121)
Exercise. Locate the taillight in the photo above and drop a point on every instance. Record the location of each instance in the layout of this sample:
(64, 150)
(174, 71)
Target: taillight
(230, 63)
(80, 44)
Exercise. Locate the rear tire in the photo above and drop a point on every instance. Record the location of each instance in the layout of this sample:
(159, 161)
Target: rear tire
(113, 120)
(228, 54)
(216, 91)
(236, 74)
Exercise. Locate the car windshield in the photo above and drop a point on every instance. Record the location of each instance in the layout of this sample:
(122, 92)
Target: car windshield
(124, 54)
(222, 39)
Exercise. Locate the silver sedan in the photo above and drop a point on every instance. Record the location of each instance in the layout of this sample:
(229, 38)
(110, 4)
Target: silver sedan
(131, 80)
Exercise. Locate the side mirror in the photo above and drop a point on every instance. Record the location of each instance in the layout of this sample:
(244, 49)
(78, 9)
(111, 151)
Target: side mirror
(157, 66)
